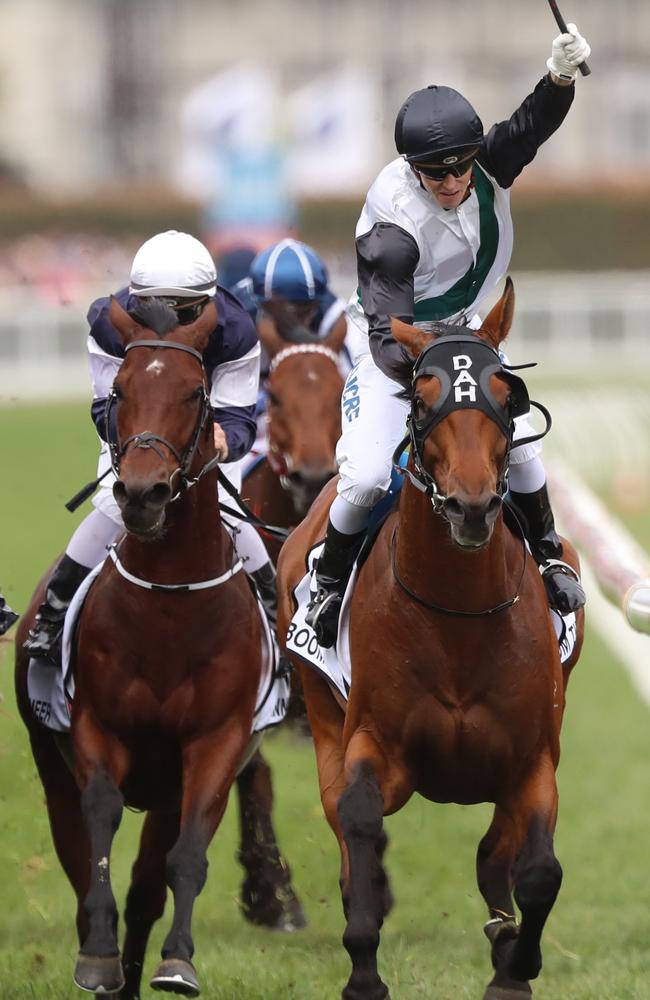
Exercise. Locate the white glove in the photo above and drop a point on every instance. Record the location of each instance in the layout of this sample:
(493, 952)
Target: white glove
(569, 50)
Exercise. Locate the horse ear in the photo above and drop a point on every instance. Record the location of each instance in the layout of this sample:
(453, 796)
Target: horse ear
(336, 337)
(413, 339)
(127, 327)
(203, 326)
(271, 340)
(499, 320)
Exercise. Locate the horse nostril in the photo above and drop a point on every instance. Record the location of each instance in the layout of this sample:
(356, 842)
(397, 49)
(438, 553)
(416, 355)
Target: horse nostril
(119, 491)
(454, 510)
(493, 508)
(157, 495)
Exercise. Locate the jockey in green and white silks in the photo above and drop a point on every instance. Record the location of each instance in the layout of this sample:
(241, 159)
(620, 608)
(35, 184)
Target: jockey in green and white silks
(433, 240)
(458, 256)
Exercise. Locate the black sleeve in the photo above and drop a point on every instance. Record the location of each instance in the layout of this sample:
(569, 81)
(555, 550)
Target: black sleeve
(512, 144)
(386, 260)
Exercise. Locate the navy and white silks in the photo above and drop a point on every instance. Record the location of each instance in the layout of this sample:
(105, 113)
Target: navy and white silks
(231, 360)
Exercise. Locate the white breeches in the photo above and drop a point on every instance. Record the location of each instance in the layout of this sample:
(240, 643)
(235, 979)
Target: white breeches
(374, 422)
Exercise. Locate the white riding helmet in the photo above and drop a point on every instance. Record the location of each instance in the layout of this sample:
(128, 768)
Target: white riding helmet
(173, 263)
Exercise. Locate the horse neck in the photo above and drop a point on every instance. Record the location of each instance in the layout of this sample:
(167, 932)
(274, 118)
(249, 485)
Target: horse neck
(440, 572)
(194, 545)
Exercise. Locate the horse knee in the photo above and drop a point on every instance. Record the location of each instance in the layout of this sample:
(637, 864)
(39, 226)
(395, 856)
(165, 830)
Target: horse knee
(186, 864)
(361, 807)
(102, 804)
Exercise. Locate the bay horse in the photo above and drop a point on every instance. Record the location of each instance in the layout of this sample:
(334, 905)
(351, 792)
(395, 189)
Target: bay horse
(167, 668)
(303, 420)
(457, 688)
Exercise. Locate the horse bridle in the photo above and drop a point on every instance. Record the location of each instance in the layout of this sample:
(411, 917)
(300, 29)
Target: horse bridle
(279, 461)
(418, 431)
(147, 439)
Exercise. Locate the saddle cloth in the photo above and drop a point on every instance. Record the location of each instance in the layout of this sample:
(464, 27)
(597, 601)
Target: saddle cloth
(334, 664)
(51, 689)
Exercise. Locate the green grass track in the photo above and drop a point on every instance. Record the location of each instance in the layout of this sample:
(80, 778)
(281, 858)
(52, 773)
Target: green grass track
(597, 942)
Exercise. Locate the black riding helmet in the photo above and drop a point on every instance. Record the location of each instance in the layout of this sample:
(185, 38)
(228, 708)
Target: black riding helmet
(437, 125)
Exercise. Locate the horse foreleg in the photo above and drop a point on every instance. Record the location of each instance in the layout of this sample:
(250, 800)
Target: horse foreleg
(98, 966)
(267, 896)
(209, 767)
(494, 865)
(145, 901)
(361, 811)
(66, 821)
(537, 877)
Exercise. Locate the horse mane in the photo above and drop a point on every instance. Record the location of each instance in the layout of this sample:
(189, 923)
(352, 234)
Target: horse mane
(156, 315)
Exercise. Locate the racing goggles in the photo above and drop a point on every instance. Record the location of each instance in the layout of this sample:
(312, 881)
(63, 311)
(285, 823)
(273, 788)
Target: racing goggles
(452, 164)
(187, 310)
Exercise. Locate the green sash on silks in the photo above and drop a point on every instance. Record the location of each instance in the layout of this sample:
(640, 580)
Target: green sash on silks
(461, 295)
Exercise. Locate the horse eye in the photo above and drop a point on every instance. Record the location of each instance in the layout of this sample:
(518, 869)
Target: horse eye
(420, 408)
(274, 400)
(196, 394)
(117, 393)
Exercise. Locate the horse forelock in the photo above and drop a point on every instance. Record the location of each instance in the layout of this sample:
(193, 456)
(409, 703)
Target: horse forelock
(156, 316)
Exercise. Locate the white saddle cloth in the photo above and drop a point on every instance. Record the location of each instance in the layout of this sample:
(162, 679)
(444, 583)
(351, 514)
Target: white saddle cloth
(51, 690)
(335, 664)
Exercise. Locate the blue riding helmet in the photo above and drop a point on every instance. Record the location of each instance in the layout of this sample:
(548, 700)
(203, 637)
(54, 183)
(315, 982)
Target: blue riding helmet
(290, 270)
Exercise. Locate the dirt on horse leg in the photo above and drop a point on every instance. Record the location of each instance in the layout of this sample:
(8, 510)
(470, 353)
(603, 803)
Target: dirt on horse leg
(267, 896)
(98, 965)
(361, 811)
(537, 878)
(145, 900)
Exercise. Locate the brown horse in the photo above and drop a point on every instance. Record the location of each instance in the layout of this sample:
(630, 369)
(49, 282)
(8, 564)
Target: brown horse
(168, 663)
(303, 416)
(457, 689)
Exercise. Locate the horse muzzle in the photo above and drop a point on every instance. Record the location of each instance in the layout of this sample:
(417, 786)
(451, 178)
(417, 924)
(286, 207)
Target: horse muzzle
(142, 506)
(471, 521)
(305, 483)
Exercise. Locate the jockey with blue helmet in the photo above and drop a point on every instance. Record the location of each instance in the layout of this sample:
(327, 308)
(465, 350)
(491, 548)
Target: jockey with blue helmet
(288, 287)
(433, 240)
(178, 269)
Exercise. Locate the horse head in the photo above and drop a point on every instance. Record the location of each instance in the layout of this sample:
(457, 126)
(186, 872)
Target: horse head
(303, 412)
(463, 403)
(159, 407)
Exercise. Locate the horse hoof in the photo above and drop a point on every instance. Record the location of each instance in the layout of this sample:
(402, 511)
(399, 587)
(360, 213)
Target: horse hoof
(511, 990)
(99, 974)
(174, 975)
(290, 920)
(281, 912)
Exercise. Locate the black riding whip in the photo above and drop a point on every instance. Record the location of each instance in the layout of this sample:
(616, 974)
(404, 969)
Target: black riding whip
(561, 23)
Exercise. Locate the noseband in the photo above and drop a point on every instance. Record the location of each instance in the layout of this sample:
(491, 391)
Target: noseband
(147, 439)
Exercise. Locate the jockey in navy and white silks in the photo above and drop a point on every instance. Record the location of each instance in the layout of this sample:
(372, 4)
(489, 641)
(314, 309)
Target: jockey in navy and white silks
(433, 240)
(179, 269)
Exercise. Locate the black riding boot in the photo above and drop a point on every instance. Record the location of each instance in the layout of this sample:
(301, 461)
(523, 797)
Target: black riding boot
(7, 616)
(264, 580)
(563, 587)
(44, 638)
(332, 573)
